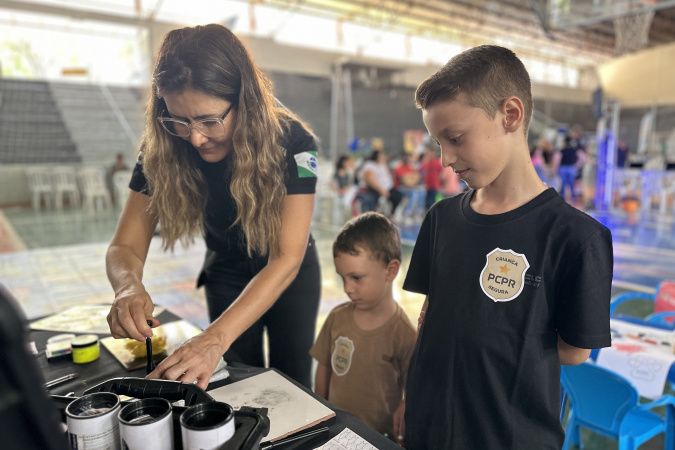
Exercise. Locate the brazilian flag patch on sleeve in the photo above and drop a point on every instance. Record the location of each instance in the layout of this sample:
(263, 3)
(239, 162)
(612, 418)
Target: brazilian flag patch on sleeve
(307, 164)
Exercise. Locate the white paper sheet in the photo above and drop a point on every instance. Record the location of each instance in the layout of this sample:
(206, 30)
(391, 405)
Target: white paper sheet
(347, 440)
(647, 368)
(80, 319)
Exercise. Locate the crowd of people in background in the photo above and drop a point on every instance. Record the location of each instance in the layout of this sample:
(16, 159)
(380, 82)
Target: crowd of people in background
(560, 163)
(402, 187)
(406, 185)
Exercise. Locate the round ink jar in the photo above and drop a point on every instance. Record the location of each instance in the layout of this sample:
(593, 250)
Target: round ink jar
(93, 421)
(85, 348)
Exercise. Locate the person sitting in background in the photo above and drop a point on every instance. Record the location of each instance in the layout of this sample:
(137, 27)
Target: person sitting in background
(407, 181)
(377, 181)
(344, 181)
(431, 169)
(364, 347)
(117, 166)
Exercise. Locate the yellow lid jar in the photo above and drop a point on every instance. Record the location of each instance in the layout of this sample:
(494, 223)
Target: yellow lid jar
(85, 348)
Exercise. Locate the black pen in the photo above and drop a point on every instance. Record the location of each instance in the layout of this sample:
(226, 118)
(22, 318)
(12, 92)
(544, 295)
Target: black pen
(63, 379)
(293, 439)
(148, 349)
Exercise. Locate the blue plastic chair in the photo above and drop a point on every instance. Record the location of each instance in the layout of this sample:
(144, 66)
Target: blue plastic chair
(607, 403)
(662, 318)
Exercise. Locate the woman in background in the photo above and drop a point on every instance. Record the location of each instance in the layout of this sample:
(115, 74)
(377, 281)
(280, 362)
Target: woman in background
(378, 181)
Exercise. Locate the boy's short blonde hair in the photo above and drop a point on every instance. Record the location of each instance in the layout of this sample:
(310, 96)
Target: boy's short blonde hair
(370, 231)
(486, 75)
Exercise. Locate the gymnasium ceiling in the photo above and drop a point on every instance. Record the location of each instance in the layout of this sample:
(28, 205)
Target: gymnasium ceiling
(582, 30)
(582, 34)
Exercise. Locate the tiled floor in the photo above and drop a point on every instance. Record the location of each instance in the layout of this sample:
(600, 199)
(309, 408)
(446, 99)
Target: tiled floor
(55, 259)
(51, 260)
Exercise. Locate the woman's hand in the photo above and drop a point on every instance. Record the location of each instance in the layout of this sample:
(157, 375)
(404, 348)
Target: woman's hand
(130, 313)
(193, 362)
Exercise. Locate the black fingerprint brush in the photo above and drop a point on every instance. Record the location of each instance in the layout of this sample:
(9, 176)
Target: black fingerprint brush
(148, 348)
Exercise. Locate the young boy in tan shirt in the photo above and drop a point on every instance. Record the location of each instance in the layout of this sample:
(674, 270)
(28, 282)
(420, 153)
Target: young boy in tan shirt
(364, 347)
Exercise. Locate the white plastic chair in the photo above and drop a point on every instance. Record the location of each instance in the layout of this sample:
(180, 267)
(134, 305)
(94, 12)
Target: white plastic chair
(94, 189)
(65, 183)
(120, 182)
(40, 184)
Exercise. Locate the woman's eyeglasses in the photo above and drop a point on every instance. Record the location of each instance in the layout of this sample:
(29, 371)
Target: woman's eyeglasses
(210, 128)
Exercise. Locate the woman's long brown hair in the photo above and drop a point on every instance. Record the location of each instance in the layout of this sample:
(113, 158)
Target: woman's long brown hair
(212, 60)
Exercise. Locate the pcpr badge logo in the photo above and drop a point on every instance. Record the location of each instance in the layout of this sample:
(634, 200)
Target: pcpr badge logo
(342, 355)
(503, 276)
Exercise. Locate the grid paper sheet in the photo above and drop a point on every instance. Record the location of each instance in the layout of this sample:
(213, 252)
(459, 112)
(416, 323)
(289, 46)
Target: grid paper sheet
(347, 440)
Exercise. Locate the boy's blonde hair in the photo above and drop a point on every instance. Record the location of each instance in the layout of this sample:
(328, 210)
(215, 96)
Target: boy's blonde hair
(486, 75)
(370, 231)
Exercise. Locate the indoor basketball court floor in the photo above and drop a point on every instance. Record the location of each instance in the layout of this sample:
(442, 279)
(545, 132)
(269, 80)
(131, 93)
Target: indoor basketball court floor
(51, 260)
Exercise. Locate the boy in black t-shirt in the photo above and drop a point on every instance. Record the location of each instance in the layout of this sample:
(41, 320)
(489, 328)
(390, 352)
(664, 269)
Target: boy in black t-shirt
(517, 281)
